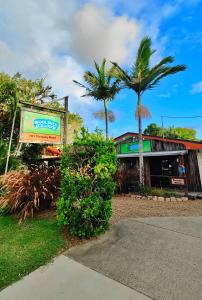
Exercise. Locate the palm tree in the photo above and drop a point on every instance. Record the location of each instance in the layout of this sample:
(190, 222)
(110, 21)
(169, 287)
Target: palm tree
(141, 78)
(101, 86)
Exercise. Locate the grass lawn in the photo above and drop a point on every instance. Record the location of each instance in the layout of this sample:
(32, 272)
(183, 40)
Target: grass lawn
(25, 247)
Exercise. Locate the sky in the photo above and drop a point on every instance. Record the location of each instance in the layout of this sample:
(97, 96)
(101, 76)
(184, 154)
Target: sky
(60, 39)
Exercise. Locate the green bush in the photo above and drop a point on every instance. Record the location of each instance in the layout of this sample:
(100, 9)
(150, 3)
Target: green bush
(87, 184)
(14, 162)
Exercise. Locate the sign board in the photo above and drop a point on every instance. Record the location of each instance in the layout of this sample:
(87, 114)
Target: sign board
(177, 181)
(134, 147)
(40, 127)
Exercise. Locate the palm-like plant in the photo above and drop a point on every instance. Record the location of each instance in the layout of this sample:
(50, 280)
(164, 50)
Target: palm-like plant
(141, 78)
(101, 86)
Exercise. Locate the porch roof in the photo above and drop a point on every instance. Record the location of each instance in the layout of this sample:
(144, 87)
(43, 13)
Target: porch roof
(149, 154)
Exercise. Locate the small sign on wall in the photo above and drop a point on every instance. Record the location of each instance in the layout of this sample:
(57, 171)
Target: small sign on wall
(177, 181)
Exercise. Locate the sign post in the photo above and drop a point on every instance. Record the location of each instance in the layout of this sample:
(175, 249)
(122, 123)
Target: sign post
(10, 142)
(66, 120)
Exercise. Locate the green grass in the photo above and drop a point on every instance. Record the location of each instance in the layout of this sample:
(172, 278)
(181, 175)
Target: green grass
(25, 247)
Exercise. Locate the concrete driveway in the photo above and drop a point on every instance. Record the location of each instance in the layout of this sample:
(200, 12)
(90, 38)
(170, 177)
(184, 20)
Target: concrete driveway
(159, 257)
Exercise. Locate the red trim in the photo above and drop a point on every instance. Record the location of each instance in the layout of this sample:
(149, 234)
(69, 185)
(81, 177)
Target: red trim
(189, 145)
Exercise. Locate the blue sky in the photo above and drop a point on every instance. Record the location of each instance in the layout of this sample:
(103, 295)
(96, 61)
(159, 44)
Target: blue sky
(59, 40)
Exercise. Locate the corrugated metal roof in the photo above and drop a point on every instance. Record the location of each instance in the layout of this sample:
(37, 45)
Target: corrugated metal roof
(189, 145)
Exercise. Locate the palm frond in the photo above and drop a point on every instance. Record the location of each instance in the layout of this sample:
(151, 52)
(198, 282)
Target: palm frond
(100, 115)
(121, 75)
(91, 79)
(143, 58)
(166, 72)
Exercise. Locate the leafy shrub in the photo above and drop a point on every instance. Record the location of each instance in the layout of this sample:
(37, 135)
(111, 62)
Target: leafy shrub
(29, 191)
(87, 184)
(31, 152)
(14, 162)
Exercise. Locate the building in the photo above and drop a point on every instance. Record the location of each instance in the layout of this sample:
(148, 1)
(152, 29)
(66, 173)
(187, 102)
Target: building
(168, 163)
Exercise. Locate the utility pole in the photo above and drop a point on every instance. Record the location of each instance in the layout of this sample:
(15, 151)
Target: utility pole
(66, 120)
(162, 125)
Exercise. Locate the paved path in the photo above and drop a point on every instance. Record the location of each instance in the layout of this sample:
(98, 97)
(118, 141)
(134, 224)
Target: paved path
(65, 279)
(160, 257)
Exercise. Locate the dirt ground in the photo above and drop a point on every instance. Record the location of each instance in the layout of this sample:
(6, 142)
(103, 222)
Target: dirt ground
(127, 207)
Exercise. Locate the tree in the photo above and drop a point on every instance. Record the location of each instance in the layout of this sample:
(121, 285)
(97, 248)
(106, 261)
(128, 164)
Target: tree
(181, 133)
(171, 132)
(75, 122)
(101, 86)
(15, 89)
(142, 78)
(153, 129)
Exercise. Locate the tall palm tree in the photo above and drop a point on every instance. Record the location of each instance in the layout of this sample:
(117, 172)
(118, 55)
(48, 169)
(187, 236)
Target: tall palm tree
(141, 78)
(101, 86)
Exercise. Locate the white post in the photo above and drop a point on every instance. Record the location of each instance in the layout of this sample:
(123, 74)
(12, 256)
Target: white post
(10, 142)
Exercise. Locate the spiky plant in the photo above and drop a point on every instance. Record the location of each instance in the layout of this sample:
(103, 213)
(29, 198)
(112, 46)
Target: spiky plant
(141, 78)
(101, 86)
(29, 191)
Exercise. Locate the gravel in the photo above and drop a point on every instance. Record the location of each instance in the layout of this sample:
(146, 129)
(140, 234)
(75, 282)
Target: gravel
(134, 207)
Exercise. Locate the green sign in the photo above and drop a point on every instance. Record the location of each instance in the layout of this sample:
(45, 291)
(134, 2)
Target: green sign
(134, 147)
(40, 128)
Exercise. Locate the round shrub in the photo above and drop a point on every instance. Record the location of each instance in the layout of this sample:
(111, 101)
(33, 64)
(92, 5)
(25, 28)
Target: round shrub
(87, 184)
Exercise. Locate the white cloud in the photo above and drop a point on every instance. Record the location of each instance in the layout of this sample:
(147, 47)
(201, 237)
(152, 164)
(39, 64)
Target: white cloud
(60, 38)
(96, 33)
(197, 88)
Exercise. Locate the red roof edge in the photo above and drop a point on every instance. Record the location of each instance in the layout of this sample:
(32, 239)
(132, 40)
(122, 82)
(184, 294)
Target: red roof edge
(189, 145)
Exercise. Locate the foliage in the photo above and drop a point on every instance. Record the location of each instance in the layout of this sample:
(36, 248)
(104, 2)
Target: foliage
(181, 133)
(171, 132)
(143, 77)
(75, 122)
(31, 152)
(101, 86)
(25, 247)
(14, 162)
(29, 191)
(153, 129)
(12, 90)
(87, 184)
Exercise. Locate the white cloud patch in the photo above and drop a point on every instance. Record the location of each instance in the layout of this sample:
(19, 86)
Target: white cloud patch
(197, 88)
(97, 33)
(57, 39)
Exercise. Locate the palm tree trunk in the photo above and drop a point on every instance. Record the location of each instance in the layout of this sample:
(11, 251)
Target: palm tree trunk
(141, 160)
(106, 119)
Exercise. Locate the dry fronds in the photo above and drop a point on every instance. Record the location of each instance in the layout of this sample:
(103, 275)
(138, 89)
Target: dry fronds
(29, 191)
(142, 111)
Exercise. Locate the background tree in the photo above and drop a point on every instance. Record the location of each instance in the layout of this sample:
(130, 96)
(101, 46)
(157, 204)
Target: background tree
(153, 129)
(12, 90)
(101, 86)
(171, 132)
(75, 123)
(181, 133)
(142, 78)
